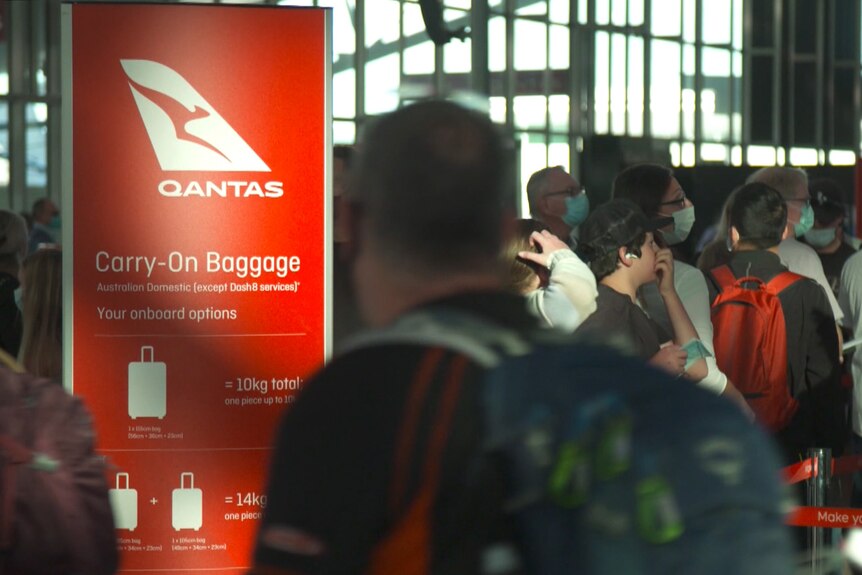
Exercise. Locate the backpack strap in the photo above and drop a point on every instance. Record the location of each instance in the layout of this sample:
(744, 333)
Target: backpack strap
(782, 281)
(723, 276)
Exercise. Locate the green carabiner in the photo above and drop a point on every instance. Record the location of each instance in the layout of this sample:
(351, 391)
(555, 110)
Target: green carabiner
(659, 520)
(569, 481)
(613, 456)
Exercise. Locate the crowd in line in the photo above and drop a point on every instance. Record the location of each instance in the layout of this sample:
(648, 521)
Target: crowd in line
(421, 232)
(394, 458)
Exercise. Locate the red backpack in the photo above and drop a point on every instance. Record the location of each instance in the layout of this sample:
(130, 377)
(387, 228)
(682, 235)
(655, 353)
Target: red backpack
(750, 341)
(55, 516)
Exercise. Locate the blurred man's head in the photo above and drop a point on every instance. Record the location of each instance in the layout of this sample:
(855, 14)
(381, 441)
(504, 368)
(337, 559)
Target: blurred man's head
(427, 200)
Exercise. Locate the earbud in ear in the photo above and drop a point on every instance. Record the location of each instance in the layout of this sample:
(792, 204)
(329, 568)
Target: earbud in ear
(631, 256)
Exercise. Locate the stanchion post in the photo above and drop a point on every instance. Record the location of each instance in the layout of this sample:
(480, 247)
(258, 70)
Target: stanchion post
(816, 496)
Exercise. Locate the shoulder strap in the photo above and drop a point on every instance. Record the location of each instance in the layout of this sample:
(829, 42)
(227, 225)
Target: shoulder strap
(723, 276)
(782, 281)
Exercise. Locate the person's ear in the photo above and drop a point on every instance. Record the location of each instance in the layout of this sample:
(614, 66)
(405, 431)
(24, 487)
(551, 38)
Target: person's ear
(625, 257)
(734, 235)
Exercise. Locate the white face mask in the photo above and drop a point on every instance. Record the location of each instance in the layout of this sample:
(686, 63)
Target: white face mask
(683, 221)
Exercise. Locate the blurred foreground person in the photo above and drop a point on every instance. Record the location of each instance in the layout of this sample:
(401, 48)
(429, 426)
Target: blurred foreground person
(42, 300)
(460, 437)
(55, 515)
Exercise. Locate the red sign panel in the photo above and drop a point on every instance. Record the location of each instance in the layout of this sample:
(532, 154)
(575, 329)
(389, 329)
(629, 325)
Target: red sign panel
(199, 143)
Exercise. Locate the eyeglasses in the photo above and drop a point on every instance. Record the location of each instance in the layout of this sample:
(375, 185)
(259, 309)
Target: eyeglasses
(804, 201)
(679, 202)
(570, 192)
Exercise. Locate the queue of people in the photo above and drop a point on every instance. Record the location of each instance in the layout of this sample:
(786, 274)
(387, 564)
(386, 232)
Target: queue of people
(556, 394)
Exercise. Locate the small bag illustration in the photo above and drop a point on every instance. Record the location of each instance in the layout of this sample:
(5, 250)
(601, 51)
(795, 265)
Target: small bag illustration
(124, 504)
(147, 386)
(187, 505)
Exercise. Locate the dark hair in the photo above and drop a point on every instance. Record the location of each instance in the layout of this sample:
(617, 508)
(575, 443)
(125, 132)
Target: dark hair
(429, 182)
(521, 273)
(616, 224)
(644, 184)
(827, 200)
(759, 214)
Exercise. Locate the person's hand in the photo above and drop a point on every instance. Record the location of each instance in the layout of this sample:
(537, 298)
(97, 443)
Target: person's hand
(664, 270)
(670, 358)
(548, 243)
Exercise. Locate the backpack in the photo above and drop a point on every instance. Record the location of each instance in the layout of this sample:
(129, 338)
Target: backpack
(750, 342)
(612, 467)
(55, 517)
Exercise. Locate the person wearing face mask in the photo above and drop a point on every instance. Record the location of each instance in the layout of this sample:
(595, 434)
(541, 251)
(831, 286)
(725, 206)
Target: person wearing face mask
(827, 235)
(655, 190)
(557, 200)
(792, 184)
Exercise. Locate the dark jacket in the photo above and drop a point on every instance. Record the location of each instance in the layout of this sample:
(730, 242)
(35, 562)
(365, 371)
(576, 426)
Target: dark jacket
(812, 356)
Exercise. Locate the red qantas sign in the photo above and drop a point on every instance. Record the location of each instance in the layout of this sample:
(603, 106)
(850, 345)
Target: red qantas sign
(199, 139)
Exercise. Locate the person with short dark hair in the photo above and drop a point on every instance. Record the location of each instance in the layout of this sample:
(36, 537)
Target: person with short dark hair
(758, 220)
(557, 200)
(426, 206)
(617, 243)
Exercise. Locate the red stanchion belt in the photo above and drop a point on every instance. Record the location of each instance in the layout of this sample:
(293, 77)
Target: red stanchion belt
(829, 517)
(799, 471)
(808, 468)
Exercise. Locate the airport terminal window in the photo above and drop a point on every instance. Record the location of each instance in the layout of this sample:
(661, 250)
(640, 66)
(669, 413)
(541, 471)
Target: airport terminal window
(4, 144)
(558, 71)
(37, 145)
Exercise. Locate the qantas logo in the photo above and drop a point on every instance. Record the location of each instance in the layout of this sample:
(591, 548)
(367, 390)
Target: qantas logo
(186, 132)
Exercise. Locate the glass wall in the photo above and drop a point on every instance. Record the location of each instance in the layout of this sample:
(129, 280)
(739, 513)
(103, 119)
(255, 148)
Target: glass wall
(709, 81)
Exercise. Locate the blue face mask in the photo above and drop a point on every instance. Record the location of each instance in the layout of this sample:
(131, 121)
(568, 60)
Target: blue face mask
(696, 350)
(806, 221)
(820, 238)
(54, 224)
(683, 221)
(577, 210)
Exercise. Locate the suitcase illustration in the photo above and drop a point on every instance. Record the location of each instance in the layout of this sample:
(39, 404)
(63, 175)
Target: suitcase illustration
(187, 505)
(147, 386)
(124, 504)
